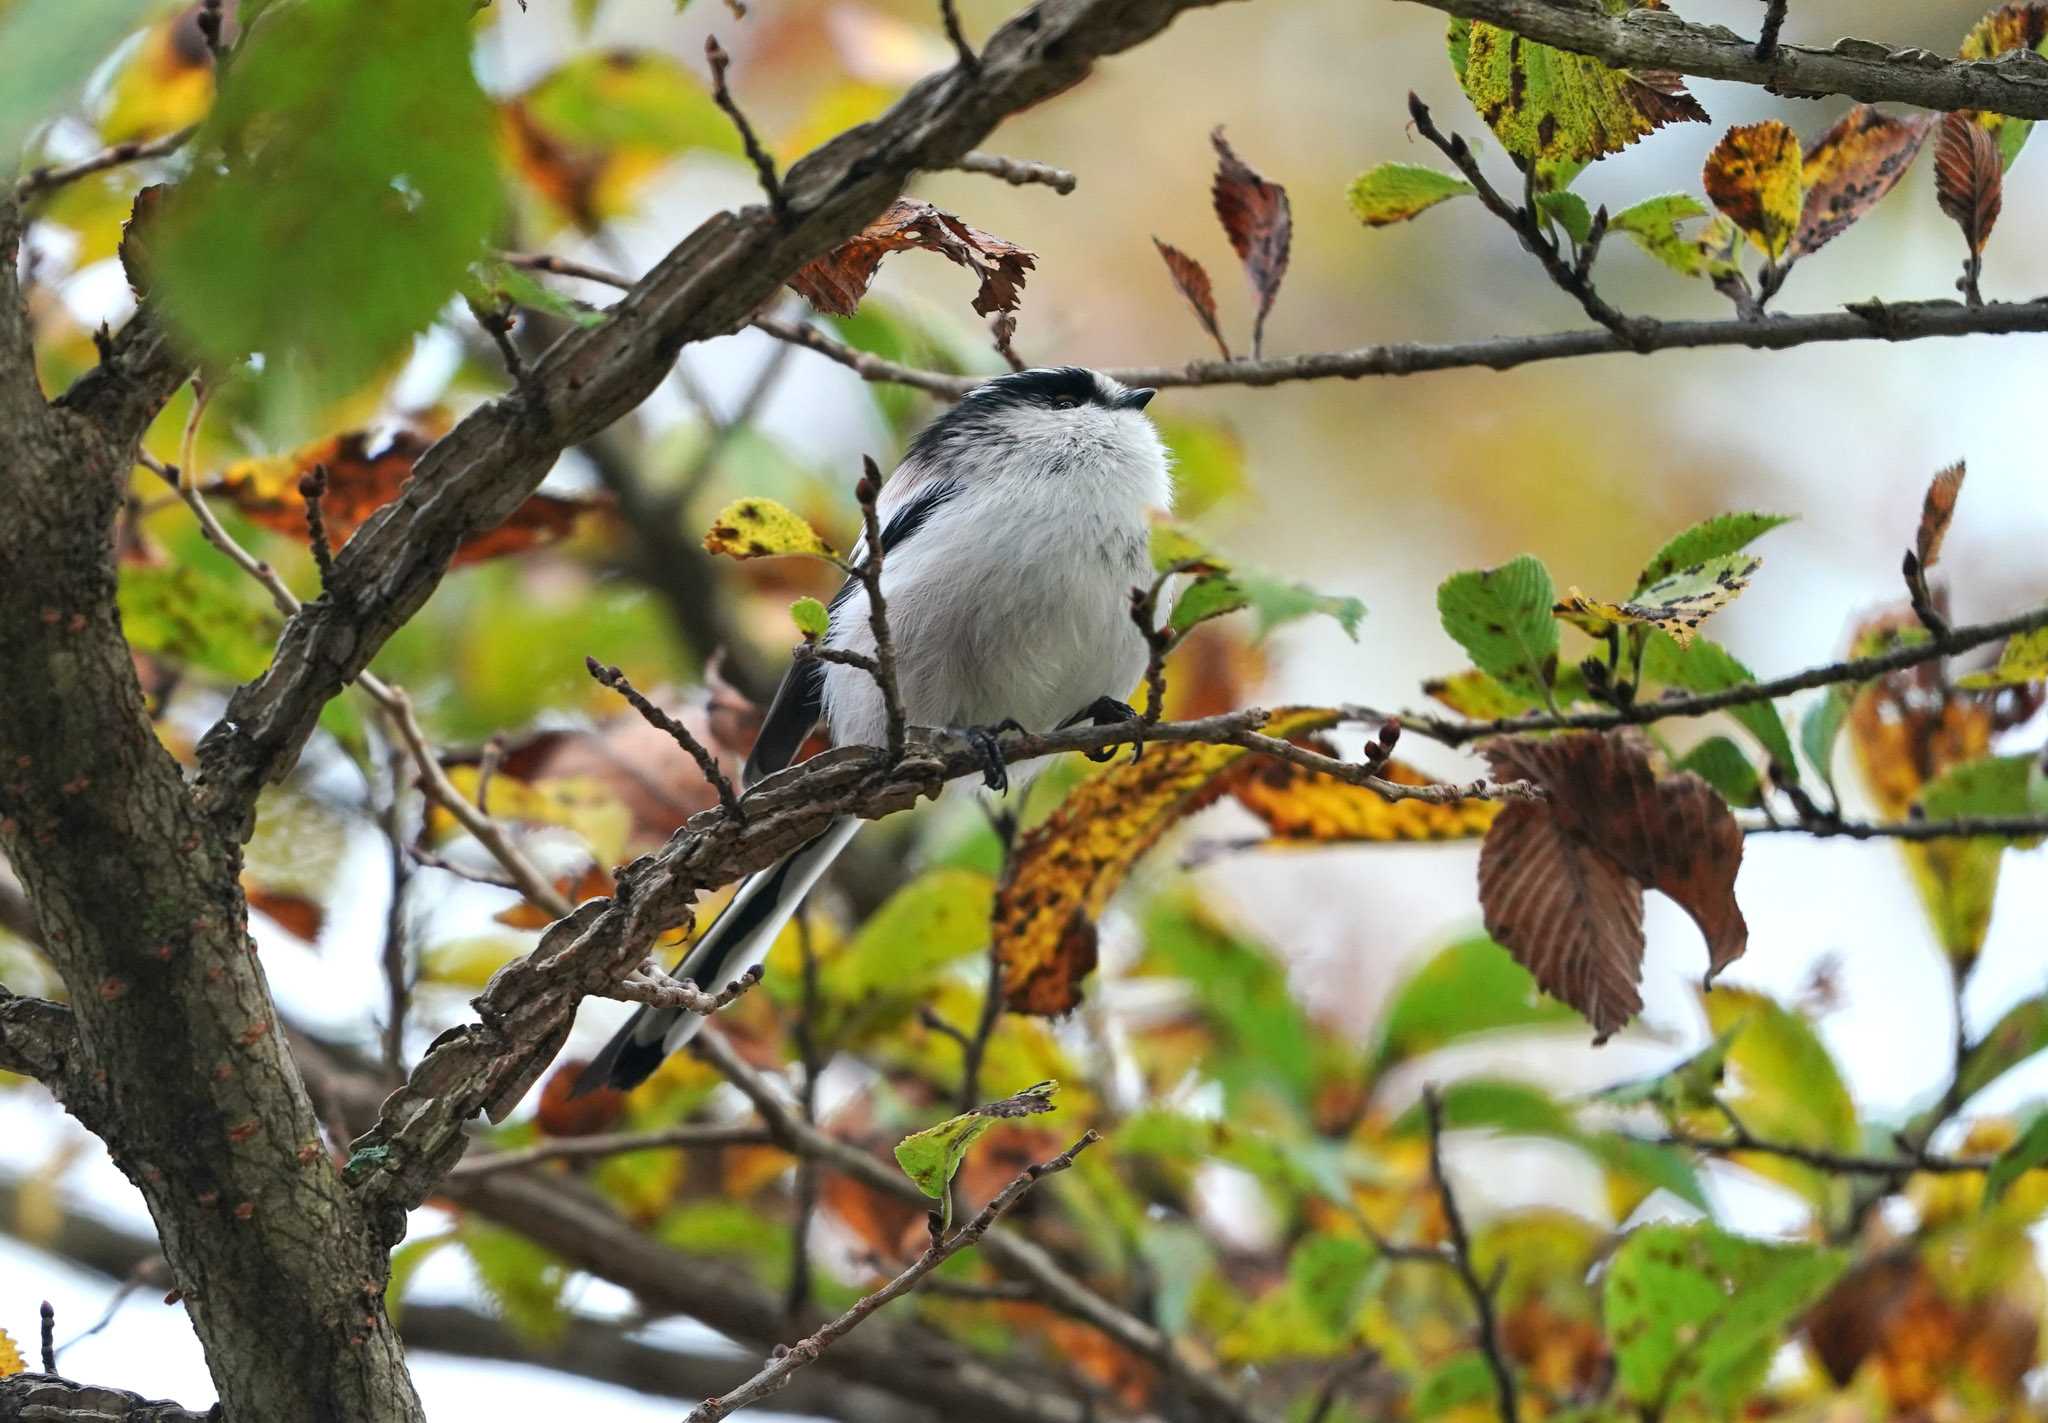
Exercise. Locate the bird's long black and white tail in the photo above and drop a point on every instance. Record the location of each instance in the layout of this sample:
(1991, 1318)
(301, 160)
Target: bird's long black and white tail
(739, 939)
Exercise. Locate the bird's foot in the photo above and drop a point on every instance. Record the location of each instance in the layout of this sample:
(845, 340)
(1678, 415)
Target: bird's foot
(1104, 711)
(995, 772)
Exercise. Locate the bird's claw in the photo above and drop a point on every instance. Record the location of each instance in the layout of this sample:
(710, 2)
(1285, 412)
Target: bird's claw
(995, 772)
(1105, 711)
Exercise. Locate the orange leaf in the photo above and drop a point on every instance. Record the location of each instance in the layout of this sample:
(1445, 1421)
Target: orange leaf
(593, 883)
(1561, 880)
(562, 1114)
(295, 912)
(836, 281)
(1936, 513)
(1755, 176)
(1259, 222)
(1969, 181)
(1067, 867)
(1851, 167)
(1193, 282)
(362, 477)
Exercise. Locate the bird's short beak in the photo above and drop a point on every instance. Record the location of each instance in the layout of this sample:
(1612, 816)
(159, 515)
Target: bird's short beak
(1135, 399)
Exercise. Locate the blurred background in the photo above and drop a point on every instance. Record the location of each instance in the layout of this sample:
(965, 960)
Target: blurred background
(1376, 488)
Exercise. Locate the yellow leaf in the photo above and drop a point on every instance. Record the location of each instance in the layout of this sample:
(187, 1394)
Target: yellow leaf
(11, 1362)
(2024, 660)
(762, 528)
(1676, 604)
(166, 86)
(585, 804)
(1302, 805)
(1755, 176)
(1067, 867)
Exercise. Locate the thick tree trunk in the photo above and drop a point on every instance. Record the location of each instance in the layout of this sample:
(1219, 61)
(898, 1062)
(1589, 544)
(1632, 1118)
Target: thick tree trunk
(184, 1071)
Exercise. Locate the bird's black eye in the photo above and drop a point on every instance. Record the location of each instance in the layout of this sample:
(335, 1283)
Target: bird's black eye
(1064, 402)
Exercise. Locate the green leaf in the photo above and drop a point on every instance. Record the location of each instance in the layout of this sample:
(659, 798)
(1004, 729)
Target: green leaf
(1689, 1086)
(1545, 103)
(1501, 617)
(364, 181)
(495, 278)
(1721, 764)
(405, 1263)
(1696, 1314)
(1568, 211)
(811, 618)
(2024, 1155)
(2018, 1035)
(1273, 600)
(522, 1280)
(1473, 986)
(1177, 547)
(1328, 1272)
(1463, 1381)
(1991, 786)
(1208, 463)
(1396, 192)
(932, 1157)
(1263, 1039)
(1707, 666)
(2023, 659)
(51, 47)
(1653, 224)
(1821, 728)
(1786, 1087)
(223, 624)
(1716, 537)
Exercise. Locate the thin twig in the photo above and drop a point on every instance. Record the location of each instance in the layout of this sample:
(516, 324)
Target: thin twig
(1017, 171)
(764, 165)
(1344, 1373)
(1767, 38)
(1973, 827)
(49, 1339)
(1923, 597)
(1861, 321)
(654, 716)
(45, 178)
(1852, 669)
(1569, 274)
(974, 1049)
(313, 489)
(785, 1362)
(592, 1148)
(866, 492)
(797, 1298)
(655, 986)
(497, 323)
(397, 977)
(563, 267)
(949, 12)
(1740, 1139)
(1480, 1291)
(1012, 1254)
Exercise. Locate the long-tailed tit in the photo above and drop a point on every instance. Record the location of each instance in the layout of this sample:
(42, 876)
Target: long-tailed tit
(1013, 532)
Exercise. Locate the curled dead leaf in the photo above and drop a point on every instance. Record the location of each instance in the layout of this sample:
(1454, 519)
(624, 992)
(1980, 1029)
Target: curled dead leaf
(836, 281)
(1936, 512)
(1561, 880)
(1192, 281)
(1969, 181)
(1259, 222)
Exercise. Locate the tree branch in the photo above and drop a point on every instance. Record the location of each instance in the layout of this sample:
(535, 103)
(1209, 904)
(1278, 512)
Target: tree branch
(38, 181)
(1864, 321)
(46, 1399)
(1480, 1291)
(783, 1365)
(593, 1148)
(710, 284)
(2014, 84)
(1019, 172)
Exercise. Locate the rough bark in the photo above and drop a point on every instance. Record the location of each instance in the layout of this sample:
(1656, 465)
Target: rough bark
(180, 1065)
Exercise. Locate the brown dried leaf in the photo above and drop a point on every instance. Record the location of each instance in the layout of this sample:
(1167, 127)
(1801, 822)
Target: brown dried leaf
(1936, 513)
(1851, 167)
(295, 912)
(1561, 880)
(562, 1113)
(1258, 220)
(1193, 282)
(363, 475)
(836, 281)
(1969, 182)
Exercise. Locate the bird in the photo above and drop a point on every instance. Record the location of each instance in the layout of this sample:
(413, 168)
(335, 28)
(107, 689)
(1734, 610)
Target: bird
(1014, 531)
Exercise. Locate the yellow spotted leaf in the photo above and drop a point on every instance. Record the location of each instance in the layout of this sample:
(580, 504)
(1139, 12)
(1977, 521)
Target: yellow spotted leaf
(2015, 26)
(11, 1362)
(761, 528)
(1475, 695)
(1067, 867)
(1303, 805)
(1545, 103)
(2024, 660)
(1677, 603)
(167, 85)
(1755, 175)
(1850, 168)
